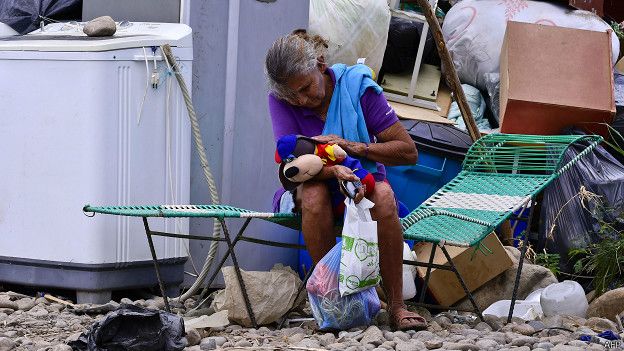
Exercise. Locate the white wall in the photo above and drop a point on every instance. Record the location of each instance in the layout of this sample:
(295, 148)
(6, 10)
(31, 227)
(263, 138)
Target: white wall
(229, 92)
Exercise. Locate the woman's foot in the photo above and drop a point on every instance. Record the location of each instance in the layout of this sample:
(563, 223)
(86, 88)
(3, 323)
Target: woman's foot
(402, 319)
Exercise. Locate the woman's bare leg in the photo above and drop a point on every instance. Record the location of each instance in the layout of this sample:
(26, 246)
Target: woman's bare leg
(317, 218)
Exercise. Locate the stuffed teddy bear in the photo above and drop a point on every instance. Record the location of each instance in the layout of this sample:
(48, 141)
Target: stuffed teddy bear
(301, 158)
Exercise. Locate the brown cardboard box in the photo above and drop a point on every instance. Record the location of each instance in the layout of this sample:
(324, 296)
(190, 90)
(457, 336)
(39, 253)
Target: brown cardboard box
(553, 77)
(476, 270)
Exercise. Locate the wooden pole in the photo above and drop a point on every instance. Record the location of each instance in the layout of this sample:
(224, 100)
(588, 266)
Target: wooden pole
(450, 72)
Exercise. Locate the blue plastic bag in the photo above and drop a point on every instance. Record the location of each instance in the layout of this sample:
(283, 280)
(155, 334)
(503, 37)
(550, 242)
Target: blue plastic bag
(329, 309)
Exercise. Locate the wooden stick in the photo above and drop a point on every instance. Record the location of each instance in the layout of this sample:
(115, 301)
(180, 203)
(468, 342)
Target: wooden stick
(450, 72)
(56, 299)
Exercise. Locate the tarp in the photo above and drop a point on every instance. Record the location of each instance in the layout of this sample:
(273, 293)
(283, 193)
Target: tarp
(25, 15)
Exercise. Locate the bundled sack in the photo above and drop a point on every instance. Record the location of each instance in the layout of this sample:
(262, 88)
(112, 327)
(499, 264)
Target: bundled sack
(474, 31)
(271, 294)
(330, 310)
(354, 28)
(359, 260)
(134, 328)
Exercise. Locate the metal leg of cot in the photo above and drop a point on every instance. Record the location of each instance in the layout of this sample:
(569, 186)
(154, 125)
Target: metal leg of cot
(421, 299)
(523, 250)
(224, 258)
(301, 288)
(156, 266)
(239, 276)
(461, 281)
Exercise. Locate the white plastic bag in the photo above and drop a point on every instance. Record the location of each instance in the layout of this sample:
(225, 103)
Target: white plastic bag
(354, 29)
(409, 273)
(359, 259)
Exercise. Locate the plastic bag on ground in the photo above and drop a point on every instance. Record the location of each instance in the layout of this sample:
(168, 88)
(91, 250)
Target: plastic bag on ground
(134, 328)
(354, 29)
(474, 31)
(566, 219)
(359, 261)
(271, 294)
(330, 310)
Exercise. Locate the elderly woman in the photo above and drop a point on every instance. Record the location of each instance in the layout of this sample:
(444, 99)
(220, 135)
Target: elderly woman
(341, 105)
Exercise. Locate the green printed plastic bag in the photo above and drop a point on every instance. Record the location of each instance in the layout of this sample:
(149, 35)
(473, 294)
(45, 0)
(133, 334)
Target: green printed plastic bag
(359, 259)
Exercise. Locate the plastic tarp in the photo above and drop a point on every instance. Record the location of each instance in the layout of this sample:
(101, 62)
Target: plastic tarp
(25, 15)
(134, 328)
(574, 219)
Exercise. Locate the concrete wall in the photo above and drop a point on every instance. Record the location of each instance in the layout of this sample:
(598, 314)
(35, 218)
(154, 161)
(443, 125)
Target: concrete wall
(229, 93)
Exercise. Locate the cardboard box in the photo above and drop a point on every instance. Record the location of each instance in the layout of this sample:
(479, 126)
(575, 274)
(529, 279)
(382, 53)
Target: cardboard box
(553, 77)
(476, 270)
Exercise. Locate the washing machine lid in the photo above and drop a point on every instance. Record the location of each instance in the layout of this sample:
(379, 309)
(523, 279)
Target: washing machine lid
(69, 37)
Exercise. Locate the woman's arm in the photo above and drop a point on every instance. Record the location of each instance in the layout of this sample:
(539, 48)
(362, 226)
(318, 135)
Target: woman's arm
(394, 147)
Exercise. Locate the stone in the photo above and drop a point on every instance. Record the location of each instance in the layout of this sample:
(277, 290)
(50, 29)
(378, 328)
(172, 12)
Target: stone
(38, 312)
(100, 27)
(412, 345)
(524, 329)
(292, 331)
(423, 335)
(537, 325)
(389, 345)
(463, 346)
(6, 344)
(544, 345)
(193, 337)
(61, 324)
(483, 326)
(4, 303)
(308, 343)
(600, 324)
(533, 277)
(25, 304)
(401, 335)
(61, 347)
(193, 348)
(433, 344)
(296, 338)
(562, 347)
(553, 321)
(524, 341)
(208, 344)
(607, 305)
(486, 344)
(326, 339)
(494, 322)
(127, 301)
(577, 343)
(372, 335)
(443, 321)
(219, 340)
(572, 322)
(232, 328)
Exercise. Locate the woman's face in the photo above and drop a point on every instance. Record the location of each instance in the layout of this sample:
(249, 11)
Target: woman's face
(308, 89)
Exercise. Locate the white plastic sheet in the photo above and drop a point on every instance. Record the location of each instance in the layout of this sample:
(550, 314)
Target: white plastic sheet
(354, 28)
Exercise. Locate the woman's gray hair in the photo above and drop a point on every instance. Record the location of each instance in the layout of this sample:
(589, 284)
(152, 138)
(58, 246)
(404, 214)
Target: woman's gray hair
(292, 55)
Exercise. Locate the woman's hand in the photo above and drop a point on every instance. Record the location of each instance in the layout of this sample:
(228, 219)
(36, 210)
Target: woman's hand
(344, 173)
(352, 148)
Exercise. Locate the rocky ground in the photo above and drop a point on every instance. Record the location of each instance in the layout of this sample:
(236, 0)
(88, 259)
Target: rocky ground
(27, 323)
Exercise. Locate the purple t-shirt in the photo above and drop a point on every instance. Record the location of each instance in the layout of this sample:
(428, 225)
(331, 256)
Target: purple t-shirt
(288, 119)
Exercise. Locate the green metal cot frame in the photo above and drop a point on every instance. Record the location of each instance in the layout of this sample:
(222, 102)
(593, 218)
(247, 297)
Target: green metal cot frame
(501, 174)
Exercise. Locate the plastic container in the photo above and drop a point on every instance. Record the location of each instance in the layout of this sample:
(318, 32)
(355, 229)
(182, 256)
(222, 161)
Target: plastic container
(527, 310)
(441, 150)
(567, 297)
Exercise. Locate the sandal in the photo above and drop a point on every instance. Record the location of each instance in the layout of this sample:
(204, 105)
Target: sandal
(402, 319)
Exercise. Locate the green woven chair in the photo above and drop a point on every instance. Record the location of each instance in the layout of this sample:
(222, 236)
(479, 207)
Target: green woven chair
(218, 212)
(501, 174)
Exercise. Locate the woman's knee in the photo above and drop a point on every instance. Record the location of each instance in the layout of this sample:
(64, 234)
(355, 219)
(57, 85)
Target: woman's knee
(313, 198)
(385, 202)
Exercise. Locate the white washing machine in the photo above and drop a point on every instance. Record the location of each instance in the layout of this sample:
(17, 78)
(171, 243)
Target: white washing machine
(95, 121)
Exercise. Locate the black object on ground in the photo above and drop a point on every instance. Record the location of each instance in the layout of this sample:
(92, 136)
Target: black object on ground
(134, 328)
(25, 16)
